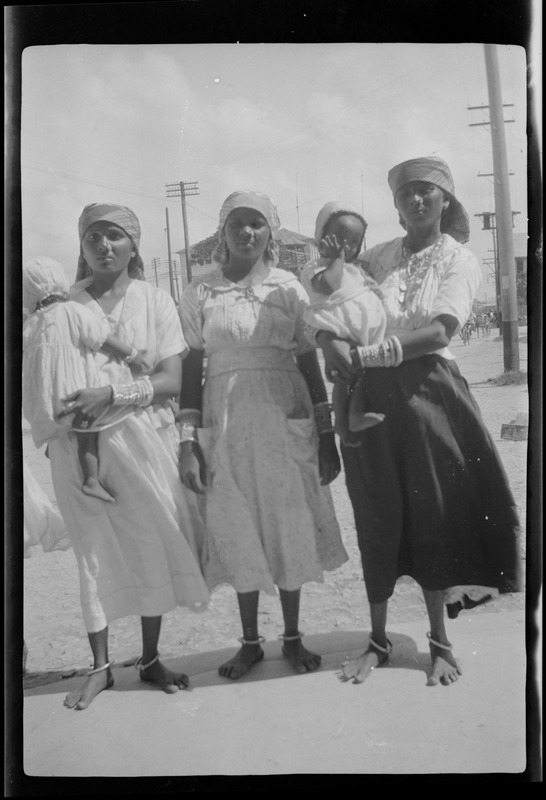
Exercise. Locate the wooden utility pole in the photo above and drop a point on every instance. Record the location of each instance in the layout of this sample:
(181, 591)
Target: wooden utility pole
(155, 262)
(171, 281)
(184, 189)
(503, 213)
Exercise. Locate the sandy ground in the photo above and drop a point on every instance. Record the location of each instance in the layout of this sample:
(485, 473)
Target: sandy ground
(53, 629)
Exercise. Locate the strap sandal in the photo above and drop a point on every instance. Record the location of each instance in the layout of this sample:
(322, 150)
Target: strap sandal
(259, 640)
(99, 669)
(439, 644)
(294, 638)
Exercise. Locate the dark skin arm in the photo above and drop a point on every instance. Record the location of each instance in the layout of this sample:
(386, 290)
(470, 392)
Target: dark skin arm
(191, 464)
(329, 464)
(337, 352)
(329, 280)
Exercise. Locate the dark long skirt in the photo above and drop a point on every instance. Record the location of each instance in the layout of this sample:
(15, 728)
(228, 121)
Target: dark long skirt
(430, 495)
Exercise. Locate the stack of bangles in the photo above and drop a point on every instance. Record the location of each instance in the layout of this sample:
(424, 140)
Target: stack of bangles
(139, 393)
(323, 417)
(188, 421)
(387, 353)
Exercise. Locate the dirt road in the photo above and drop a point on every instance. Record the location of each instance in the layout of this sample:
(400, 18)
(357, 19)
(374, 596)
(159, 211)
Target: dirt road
(53, 628)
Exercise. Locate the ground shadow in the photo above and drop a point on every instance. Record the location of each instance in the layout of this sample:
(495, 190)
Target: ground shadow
(202, 668)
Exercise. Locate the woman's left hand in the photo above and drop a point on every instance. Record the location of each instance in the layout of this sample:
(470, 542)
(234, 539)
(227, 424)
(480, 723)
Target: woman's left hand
(86, 405)
(329, 463)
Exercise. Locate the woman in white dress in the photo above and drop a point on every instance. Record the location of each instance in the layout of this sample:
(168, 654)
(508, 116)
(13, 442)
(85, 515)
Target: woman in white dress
(257, 438)
(140, 554)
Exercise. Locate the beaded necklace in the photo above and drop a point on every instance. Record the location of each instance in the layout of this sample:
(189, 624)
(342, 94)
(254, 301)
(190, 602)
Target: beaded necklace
(414, 267)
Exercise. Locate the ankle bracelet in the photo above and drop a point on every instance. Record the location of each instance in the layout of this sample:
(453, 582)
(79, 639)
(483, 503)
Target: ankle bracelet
(439, 644)
(100, 669)
(294, 638)
(376, 646)
(259, 640)
(140, 665)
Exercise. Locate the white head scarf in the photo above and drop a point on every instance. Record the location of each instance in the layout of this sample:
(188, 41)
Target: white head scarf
(258, 201)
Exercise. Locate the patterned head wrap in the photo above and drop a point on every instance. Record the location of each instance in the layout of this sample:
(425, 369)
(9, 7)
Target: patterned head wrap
(433, 170)
(335, 209)
(43, 277)
(121, 216)
(258, 202)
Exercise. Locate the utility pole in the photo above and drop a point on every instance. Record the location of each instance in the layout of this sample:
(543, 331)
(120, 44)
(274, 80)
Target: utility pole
(183, 190)
(171, 282)
(505, 244)
(489, 224)
(155, 264)
(297, 203)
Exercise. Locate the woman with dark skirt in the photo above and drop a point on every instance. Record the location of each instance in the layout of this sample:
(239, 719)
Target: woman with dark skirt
(430, 495)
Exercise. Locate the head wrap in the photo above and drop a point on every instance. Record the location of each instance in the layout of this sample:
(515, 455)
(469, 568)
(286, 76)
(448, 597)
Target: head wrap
(121, 216)
(258, 202)
(430, 169)
(335, 209)
(42, 277)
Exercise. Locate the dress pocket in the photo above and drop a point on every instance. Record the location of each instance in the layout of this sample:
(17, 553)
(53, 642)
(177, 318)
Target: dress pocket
(303, 439)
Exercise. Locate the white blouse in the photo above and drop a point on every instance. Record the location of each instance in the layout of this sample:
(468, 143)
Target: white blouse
(442, 279)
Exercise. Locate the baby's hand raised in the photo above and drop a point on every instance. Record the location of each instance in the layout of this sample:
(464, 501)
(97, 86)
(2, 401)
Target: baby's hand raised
(331, 248)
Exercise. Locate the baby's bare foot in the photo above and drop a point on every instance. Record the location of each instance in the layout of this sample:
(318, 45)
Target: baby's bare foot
(93, 488)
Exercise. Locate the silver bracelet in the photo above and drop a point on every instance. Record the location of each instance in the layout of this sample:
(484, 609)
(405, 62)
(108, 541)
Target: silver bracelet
(188, 432)
(139, 393)
(191, 416)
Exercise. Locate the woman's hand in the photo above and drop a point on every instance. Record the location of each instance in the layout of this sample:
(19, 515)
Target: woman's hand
(142, 364)
(191, 467)
(329, 463)
(337, 358)
(86, 405)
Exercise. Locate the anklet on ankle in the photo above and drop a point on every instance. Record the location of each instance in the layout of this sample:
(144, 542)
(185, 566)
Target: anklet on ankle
(439, 644)
(259, 640)
(376, 646)
(100, 669)
(140, 665)
(294, 638)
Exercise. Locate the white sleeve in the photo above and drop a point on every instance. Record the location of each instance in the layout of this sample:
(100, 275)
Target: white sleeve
(458, 286)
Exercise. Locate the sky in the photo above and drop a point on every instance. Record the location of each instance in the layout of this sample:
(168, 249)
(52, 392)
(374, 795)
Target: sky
(305, 123)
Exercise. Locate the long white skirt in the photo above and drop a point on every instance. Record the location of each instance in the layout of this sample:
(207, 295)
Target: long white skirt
(139, 555)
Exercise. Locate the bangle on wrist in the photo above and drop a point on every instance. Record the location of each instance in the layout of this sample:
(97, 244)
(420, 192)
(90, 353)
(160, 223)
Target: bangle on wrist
(140, 393)
(323, 417)
(187, 432)
(387, 353)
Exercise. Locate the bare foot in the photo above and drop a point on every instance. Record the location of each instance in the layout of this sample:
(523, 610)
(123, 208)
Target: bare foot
(301, 659)
(360, 422)
(94, 489)
(166, 679)
(358, 669)
(242, 661)
(82, 697)
(445, 669)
